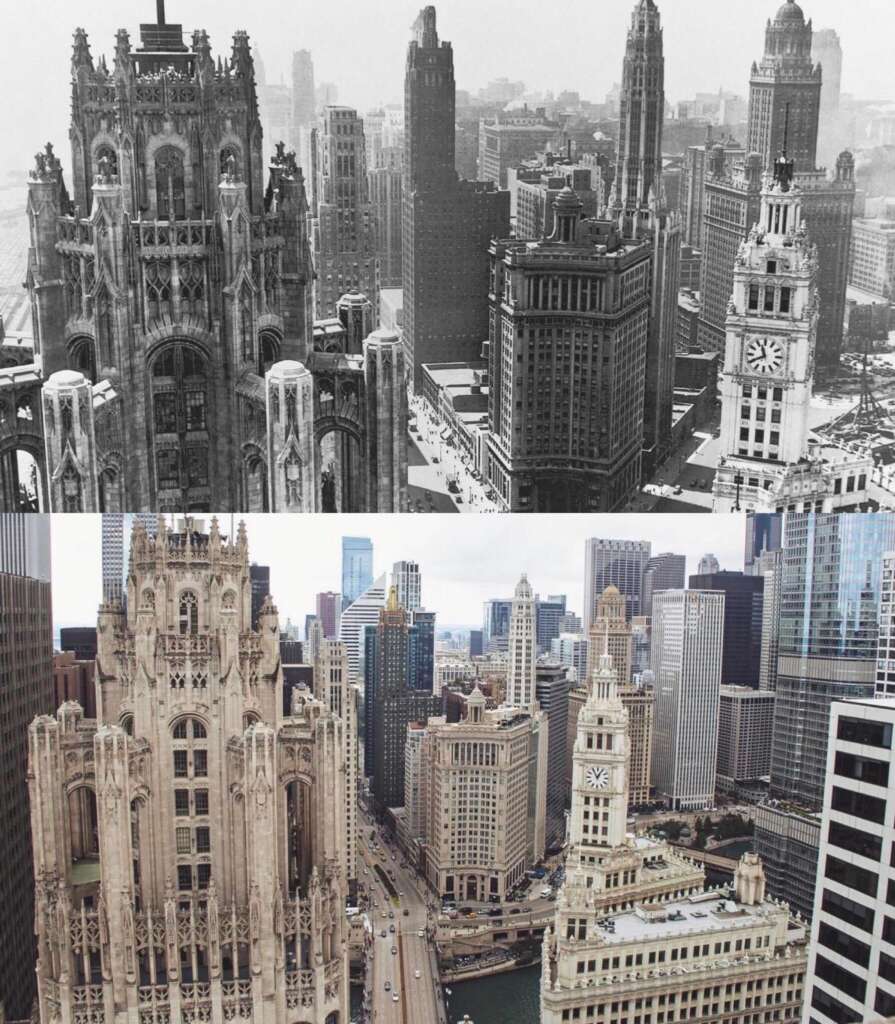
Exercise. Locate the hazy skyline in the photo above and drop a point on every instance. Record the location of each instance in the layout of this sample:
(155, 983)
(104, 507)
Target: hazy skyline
(464, 560)
(362, 47)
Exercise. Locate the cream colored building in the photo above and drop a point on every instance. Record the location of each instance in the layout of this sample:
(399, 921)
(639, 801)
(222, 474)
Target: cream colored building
(522, 647)
(484, 824)
(636, 937)
(189, 844)
(611, 633)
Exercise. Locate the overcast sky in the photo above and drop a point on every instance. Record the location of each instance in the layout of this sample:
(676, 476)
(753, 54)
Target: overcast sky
(464, 560)
(361, 45)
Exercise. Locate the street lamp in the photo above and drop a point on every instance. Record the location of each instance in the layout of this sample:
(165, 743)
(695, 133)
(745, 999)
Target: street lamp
(739, 481)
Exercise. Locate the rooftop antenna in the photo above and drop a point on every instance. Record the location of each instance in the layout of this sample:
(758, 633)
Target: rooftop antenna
(160, 11)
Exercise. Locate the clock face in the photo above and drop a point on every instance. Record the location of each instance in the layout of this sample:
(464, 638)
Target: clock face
(597, 778)
(764, 355)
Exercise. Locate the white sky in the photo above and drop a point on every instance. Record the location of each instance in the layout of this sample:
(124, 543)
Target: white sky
(361, 46)
(464, 560)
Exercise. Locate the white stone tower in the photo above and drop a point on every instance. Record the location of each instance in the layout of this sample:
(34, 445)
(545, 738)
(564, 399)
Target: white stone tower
(189, 844)
(522, 643)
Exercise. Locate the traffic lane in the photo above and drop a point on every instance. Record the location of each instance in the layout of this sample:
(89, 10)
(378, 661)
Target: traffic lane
(420, 992)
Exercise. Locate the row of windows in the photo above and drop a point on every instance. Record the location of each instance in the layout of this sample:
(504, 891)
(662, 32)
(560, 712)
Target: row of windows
(859, 730)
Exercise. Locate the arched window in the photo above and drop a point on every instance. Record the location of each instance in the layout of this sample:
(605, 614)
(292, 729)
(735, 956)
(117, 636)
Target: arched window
(189, 613)
(268, 351)
(127, 723)
(245, 326)
(170, 190)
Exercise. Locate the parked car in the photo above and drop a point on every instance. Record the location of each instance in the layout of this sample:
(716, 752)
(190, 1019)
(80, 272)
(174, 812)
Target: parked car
(394, 950)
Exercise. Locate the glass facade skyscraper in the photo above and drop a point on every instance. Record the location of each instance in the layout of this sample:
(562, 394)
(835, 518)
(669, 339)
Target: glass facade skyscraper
(357, 568)
(621, 563)
(829, 624)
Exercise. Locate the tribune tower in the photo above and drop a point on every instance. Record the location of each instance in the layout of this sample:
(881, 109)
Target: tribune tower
(189, 843)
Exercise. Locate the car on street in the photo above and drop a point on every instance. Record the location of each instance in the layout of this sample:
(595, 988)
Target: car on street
(394, 950)
(420, 934)
(388, 986)
(394, 997)
(391, 915)
(406, 912)
(416, 973)
(391, 928)
(383, 933)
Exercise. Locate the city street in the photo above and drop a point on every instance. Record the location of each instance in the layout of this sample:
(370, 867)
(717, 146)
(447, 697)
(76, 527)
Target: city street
(439, 462)
(419, 998)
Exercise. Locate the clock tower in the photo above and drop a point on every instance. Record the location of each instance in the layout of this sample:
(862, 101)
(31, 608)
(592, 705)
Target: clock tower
(769, 361)
(600, 769)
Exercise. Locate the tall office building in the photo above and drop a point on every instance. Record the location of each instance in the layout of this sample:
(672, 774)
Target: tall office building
(357, 567)
(568, 356)
(885, 651)
(496, 624)
(639, 204)
(198, 841)
(620, 563)
(745, 727)
(770, 568)
(610, 633)
(767, 463)
(421, 650)
(552, 693)
(784, 93)
(26, 690)
(329, 611)
(662, 572)
(486, 781)
(635, 928)
(116, 544)
(549, 613)
(851, 966)
(343, 238)
(407, 581)
(447, 224)
(385, 183)
(708, 565)
(571, 651)
(743, 612)
(362, 612)
(764, 532)
(304, 104)
(829, 629)
(259, 577)
(687, 643)
(826, 50)
(692, 201)
(79, 640)
(390, 704)
(522, 645)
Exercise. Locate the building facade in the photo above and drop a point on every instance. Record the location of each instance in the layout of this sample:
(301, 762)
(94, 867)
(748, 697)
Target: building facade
(190, 841)
(174, 355)
(26, 690)
(343, 233)
(116, 530)
(329, 611)
(357, 568)
(635, 933)
(662, 572)
(687, 641)
(408, 582)
(768, 377)
(485, 818)
(851, 969)
(522, 646)
(362, 613)
(745, 727)
(619, 563)
(743, 618)
(552, 693)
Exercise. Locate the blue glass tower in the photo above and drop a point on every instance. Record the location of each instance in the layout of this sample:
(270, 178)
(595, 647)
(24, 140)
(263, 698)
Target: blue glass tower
(357, 568)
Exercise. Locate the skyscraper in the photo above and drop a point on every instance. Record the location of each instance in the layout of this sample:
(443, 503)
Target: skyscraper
(496, 623)
(662, 572)
(329, 610)
(829, 629)
(421, 650)
(447, 224)
(390, 704)
(828, 637)
(407, 581)
(552, 693)
(770, 568)
(26, 690)
(362, 612)
(357, 567)
(621, 563)
(343, 239)
(743, 612)
(548, 614)
(784, 93)
(708, 565)
(568, 355)
(259, 577)
(687, 647)
(851, 971)
(764, 532)
(766, 461)
(116, 545)
(303, 102)
(221, 837)
(639, 204)
(522, 647)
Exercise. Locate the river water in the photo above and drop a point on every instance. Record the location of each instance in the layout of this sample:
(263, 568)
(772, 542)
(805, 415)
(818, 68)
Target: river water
(511, 998)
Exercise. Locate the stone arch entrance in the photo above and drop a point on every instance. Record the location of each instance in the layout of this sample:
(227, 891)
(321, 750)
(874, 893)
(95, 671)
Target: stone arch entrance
(83, 831)
(298, 810)
(340, 439)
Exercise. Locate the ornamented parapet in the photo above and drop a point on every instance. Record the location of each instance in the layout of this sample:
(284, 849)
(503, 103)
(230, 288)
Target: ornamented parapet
(290, 438)
(70, 443)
